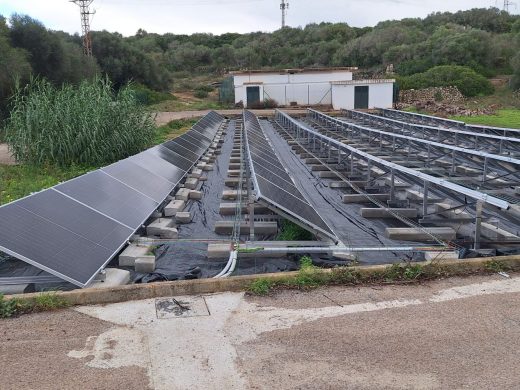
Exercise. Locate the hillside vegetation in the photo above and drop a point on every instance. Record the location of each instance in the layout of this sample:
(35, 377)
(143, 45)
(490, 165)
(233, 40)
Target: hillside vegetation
(485, 40)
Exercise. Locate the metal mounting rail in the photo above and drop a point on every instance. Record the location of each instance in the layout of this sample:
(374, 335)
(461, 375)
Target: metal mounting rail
(354, 126)
(448, 123)
(463, 138)
(491, 168)
(441, 182)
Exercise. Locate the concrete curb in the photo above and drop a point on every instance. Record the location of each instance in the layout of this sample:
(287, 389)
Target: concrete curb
(94, 296)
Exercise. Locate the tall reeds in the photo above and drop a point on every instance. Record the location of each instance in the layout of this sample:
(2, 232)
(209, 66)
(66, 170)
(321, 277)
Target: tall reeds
(87, 124)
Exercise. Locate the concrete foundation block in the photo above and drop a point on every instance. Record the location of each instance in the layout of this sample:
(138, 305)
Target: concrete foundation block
(232, 194)
(183, 217)
(162, 227)
(174, 207)
(358, 198)
(387, 213)
(440, 256)
(414, 234)
(191, 183)
(492, 232)
(131, 253)
(196, 173)
(113, 277)
(195, 195)
(261, 228)
(344, 256)
(145, 265)
(183, 194)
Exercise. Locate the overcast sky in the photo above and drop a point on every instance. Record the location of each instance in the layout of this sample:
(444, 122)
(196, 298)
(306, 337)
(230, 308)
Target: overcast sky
(220, 16)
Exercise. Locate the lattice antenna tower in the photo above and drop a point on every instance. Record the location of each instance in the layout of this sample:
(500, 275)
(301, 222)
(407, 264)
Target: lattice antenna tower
(284, 6)
(508, 4)
(84, 7)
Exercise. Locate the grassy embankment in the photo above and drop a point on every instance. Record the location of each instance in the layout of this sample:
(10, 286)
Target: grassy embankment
(17, 181)
(504, 118)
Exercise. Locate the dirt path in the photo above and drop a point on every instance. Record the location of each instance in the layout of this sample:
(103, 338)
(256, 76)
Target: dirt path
(453, 333)
(5, 157)
(163, 118)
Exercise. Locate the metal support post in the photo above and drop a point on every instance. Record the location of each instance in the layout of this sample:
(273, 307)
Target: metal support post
(478, 224)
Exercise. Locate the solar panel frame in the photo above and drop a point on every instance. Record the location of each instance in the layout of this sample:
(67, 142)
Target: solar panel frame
(284, 197)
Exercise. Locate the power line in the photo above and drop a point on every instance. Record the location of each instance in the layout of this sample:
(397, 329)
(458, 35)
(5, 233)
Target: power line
(84, 7)
(284, 7)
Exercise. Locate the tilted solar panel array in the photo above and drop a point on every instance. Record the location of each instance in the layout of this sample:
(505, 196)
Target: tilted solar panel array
(272, 182)
(75, 228)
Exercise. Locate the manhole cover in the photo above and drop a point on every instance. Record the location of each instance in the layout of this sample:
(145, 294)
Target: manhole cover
(181, 307)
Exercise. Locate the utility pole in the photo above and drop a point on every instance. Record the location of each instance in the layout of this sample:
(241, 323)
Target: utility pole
(85, 24)
(284, 6)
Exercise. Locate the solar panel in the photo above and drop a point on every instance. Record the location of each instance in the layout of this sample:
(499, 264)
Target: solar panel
(272, 181)
(140, 179)
(111, 198)
(158, 166)
(61, 236)
(172, 157)
(74, 229)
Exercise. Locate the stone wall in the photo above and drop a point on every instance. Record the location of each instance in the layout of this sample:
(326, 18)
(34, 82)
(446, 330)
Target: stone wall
(449, 95)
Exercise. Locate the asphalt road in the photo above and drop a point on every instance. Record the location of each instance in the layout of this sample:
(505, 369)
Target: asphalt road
(451, 334)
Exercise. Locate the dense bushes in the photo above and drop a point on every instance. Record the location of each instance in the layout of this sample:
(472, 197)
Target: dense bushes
(469, 82)
(88, 124)
(146, 96)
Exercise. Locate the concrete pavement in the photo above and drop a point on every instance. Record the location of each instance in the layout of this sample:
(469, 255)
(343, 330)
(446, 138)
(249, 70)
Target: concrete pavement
(453, 333)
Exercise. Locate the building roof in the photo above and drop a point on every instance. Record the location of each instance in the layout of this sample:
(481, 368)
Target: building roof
(362, 82)
(293, 71)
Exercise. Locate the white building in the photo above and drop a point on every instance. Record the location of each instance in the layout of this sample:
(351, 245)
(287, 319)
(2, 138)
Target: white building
(311, 87)
(303, 87)
(363, 94)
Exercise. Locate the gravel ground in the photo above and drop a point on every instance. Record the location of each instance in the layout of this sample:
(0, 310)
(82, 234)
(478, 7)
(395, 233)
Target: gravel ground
(34, 354)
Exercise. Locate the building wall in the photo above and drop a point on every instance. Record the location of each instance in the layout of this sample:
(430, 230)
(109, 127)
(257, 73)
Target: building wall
(302, 88)
(379, 96)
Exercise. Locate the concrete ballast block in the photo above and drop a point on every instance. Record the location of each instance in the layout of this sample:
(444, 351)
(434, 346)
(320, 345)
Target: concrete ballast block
(145, 265)
(174, 207)
(183, 217)
(131, 253)
(195, 195)
(183, 194)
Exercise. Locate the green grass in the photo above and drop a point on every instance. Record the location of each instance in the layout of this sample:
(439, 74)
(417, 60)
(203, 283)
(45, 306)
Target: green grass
(18, 181)
(292, 232)
(504, 118)
(178, 105)
(44, 301)
(309, 276)
(172, 130)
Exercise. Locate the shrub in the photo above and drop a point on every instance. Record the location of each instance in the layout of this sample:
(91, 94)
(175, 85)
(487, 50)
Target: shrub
(7, 307)
(469, 82)
(261, 286)
(146, 96)
(205, 88)
(199, 94)
(87, 124)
